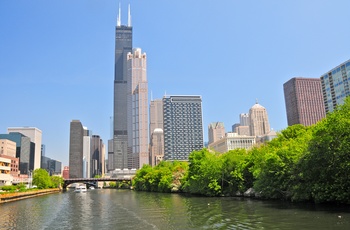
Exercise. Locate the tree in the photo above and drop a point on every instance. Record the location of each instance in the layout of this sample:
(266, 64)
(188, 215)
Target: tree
(204, 173)
(57, 181)
(327, 167)
(41, 178)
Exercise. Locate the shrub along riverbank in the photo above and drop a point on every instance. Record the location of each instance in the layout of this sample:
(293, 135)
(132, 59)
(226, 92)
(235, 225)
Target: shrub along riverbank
(301, 164)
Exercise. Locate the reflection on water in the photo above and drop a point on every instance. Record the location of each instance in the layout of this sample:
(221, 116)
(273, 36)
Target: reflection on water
(124, 209)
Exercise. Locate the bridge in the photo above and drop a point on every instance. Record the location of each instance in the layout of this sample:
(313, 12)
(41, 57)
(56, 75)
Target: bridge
(91, 180)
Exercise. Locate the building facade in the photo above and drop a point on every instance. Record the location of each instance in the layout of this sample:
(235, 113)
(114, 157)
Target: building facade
(216, 131)
(97, 156)
(137, 109)
(156, 134)
(86, 153)
(65, 173)
(232, 141)
(5, 171)
(244, 119)
(35, 136)
(123, 46)
(259, 122)
(304, 101)
(335, 86)
(7, 147)
(25, 150)
(76, 152)
(53, 167)
(183, 126)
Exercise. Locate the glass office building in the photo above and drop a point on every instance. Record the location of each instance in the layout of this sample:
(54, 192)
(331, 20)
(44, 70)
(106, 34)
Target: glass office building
(335, 86)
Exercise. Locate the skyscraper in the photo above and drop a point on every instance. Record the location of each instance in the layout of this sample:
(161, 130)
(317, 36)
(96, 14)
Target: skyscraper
(24, 150)
(76, 149)
(259, 122)
(183, 128)
(86, 153)
(123, 45)
(335, 86)
(244, 119)
(216, 131)
(35, 136)
(137, 109)
(304, 101)
(97, 156)
(156, 133)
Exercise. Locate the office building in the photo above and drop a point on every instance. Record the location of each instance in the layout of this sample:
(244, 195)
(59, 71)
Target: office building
(53, 167)
(156, 133)
(97, 156)
(244, 119)
(76, 151)
(304, 101)
(35, 136)
(86, 153)
(137, 109)
(183, 128)
(242, 130)
(5, 176)
(259, 122)
(7, 147)
(216, 131)
(43, 150)
(65, 173)
(25, 150)
(110, 165)
(234, 127)
(123, 46)
(335, 86)
(232, 141)
(8, 151)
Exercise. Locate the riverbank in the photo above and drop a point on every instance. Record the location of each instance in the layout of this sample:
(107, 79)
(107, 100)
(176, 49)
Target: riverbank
(9, 197)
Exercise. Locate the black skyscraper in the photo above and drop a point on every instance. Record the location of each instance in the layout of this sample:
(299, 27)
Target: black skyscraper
(123, 45)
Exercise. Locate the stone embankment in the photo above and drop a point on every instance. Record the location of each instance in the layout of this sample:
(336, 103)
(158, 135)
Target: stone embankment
(8, 197)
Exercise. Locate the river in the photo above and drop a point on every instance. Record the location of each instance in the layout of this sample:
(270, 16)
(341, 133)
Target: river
(125, 209)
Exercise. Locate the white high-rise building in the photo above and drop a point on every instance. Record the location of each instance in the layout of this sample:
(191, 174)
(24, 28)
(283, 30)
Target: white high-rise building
(137, 109)
(35, 136)
(86, 153)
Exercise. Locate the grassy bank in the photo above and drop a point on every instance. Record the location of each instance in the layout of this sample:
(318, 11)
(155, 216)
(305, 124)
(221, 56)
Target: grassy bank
(14, 196)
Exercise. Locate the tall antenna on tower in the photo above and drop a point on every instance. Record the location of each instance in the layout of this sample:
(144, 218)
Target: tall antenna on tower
(129, 16)
(118, 17)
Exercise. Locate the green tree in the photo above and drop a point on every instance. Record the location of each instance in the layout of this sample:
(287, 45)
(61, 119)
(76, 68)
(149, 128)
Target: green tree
(41, 178)
(204, 173)
(235, 174)
(57, 181)
(327, 167)
(276, 167)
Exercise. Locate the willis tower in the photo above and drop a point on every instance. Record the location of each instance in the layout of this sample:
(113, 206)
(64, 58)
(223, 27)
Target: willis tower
(123, 45)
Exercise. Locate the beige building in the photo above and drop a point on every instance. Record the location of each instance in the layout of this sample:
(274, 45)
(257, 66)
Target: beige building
(216, 131)
(157, 146)
(242, 130)
(5, 171)
(232, 141)
(156, 149)
(35, 136)
(259, 122)
(137, 109)
(7, 148)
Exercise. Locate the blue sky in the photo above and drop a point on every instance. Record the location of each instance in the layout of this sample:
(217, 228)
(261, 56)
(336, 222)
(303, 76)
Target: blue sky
(57, 57)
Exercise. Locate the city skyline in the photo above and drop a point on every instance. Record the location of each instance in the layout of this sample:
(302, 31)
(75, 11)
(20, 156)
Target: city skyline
(56, 65)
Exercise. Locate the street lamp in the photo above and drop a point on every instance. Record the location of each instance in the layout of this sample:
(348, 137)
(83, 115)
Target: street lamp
(30, 179)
